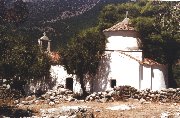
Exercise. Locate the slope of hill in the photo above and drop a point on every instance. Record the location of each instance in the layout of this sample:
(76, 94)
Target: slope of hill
(61, 19)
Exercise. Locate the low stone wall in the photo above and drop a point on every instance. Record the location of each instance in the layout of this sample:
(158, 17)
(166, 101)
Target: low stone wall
(51, 97)
(120, 93)
(126, 92)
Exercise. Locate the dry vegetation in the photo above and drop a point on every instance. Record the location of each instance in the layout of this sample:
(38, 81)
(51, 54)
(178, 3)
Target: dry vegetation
(148, 110)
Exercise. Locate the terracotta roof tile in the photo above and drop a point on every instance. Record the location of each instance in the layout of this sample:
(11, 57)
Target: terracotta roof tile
(124, 25)
(54, 56)
(150, 62)
(145, 61)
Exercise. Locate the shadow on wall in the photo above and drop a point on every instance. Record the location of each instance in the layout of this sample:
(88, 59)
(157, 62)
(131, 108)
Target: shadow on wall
(101, 79)
(40, 86)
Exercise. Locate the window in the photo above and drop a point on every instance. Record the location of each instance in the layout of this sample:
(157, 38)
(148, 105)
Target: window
(113, 83)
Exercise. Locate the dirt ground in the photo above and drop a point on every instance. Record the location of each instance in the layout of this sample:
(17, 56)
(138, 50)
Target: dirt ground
(147, 110)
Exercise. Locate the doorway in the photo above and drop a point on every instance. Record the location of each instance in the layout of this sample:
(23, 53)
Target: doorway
(113, 83)
(69, 83)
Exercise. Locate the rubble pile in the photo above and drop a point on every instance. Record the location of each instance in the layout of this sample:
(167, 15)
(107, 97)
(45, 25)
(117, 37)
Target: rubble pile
(101, 96)
(126, 92)
(123, 93)
(165, 95)
(51, 97)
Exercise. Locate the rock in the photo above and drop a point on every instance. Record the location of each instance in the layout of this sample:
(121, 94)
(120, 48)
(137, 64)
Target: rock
(71, 99)
(25, 102)
(30, 98)
(97, 97)
(93, 95)
(121, 107)
(49, 93)
(54, 94)
(68, 92)
(110, 93)
(142, 101)
(16, 101)
(164, 115)
(51, 103)
(91, 98)
(56, 102)
(112, 98)
(87, 98)
(98, 110)
(79, 101)
(52, 98)
(37, 101)
(177, 115)
(99, 93)
(62, 91)
(103, 100)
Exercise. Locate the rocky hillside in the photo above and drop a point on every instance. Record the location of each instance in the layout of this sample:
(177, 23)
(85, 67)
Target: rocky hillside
(53, 10)
(61, 19)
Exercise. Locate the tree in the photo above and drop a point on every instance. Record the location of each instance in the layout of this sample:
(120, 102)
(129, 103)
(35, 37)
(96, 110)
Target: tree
(167, 24)
(2, 10)
(83, 54)
(21, 59)
(17, 14)
(20, 56)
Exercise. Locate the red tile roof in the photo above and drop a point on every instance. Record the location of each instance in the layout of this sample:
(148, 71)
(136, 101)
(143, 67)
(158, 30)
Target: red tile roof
(124, 25)
(54, 56)
(145, 61)
(150, 62)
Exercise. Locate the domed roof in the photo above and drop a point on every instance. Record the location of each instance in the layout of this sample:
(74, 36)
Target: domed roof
(44, 37)
(123, 25)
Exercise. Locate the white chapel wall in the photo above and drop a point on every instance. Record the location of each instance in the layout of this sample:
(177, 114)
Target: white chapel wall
(60, 74)
(119, 67)
(154, 77)
(160, 77)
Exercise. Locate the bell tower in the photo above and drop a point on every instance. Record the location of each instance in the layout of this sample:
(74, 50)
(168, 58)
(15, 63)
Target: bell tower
(45, 43)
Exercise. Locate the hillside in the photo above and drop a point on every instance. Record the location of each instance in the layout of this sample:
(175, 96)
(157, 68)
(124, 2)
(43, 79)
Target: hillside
(61, 19)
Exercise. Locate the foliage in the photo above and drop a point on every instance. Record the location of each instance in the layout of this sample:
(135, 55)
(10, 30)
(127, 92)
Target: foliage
(83, 54)
(20, 57)
(16, 14)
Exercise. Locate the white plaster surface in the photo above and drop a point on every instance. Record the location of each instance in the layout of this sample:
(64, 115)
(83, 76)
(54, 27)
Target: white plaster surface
(122, 43)
(61, 74)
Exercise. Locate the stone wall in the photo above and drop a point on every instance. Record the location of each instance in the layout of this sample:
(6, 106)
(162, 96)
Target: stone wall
(126, 92)
(120, 93)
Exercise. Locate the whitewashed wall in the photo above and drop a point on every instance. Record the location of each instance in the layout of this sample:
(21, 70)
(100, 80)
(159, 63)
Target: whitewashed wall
(122, 40)
(61, 74)
(118, 67)
(154, 77)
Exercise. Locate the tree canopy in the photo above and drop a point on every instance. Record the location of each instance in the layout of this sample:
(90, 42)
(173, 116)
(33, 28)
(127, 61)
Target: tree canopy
(20, 56)
(83, 54)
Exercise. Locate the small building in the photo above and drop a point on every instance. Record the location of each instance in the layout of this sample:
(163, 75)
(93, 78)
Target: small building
(122, 64)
